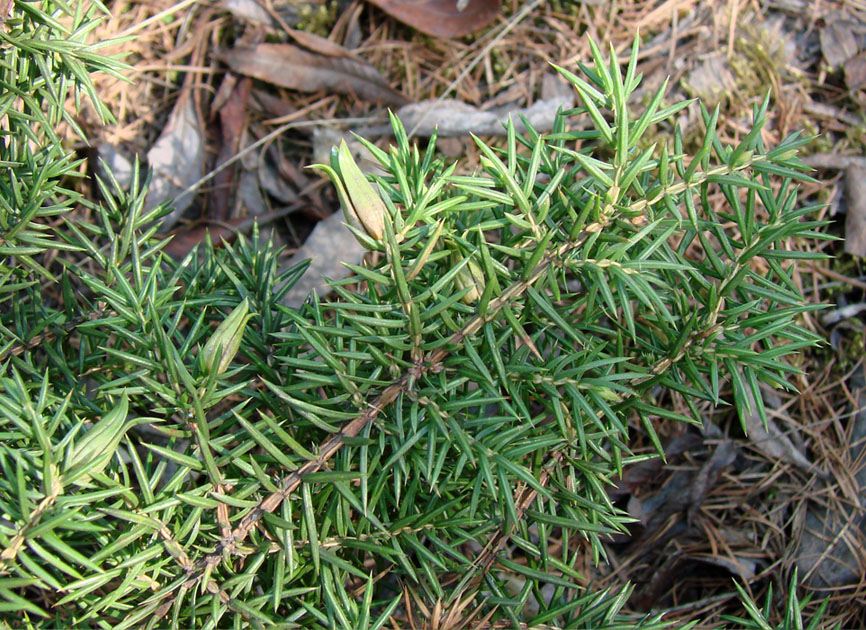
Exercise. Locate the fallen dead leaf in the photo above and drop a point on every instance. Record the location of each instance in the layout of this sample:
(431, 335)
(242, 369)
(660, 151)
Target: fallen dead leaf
(855, 72)
(649, 594)
(829, 552)
(318, 44)
(248, 11)
(233, 120)
(452, 118)
(838, 42)
(349, 23)
(328, 247)
(273, 183)
(441, 18)
(177, 160)
(249, 196)
(855, 220)
(712, 80)
(291, 67)
(855, 195)
(839, 314)
(182, 243)
(683, 492)
(723, 456)
(772, 441)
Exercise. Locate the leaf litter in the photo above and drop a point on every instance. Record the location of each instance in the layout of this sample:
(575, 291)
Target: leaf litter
(442, 18)
(289, 66)
(177, 161)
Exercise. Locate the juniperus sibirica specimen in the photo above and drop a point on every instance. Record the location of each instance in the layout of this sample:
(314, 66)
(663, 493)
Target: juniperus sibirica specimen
(433, 442)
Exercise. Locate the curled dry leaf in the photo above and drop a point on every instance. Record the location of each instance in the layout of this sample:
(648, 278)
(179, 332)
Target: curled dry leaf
(855, 72)
(452, 118)
(327, 248)
(273, 14)
(838, 42)
(773, 442)
(441, 18)
(291, 67)
(855, 221)
(248, 11)
(177, 160)
(233, 120)
(318, 44)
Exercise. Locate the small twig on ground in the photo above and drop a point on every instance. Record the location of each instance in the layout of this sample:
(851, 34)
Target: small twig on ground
(838, 276)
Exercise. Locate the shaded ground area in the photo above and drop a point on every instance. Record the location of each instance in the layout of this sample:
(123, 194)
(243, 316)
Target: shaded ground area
(230, 100)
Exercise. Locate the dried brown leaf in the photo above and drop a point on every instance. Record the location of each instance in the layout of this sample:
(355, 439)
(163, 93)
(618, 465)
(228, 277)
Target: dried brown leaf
(855, 73)
(233, 120)
(182, 243)
(441, 18)
(249, 195)
(318, 44)
(838, 42)
(291, 67)
(177, 160)
(329, 245)
(248, 11)
(855, 220)
(723, 456)
(452, 118)
(772, 441)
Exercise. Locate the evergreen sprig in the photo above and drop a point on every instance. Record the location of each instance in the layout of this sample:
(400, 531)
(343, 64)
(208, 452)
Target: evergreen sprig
(441, 435)
(46, 63)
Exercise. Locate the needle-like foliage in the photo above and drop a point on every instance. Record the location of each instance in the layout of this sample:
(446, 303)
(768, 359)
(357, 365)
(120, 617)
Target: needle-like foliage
(46, 62)
(437, 440)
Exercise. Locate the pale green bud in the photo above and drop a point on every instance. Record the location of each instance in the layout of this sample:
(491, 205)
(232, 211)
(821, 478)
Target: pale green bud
(362, 206)
(744, 158)
(221, 348)
(471, 276)
(92, 452)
